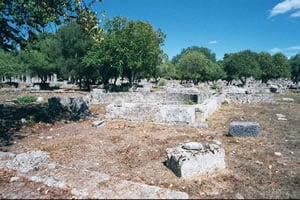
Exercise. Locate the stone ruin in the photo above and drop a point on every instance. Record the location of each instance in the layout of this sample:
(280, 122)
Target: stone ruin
(244, 129)
(194, 159)
(74, 108)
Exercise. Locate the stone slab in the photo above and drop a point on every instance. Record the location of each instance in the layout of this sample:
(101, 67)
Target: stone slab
(244, 129)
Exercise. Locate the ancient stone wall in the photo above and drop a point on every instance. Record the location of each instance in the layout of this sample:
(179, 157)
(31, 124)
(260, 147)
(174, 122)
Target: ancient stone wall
(97, 97)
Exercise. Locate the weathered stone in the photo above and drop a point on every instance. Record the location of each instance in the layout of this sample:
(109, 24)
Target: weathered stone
(132, 190)
(79, 108)
(98, 123)
(193, 146)
(288, 99)
(39, 99)
(25, 162)
(191, 163)
(244, 129)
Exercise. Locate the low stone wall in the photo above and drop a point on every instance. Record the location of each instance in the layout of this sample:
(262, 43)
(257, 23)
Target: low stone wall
(250, 98)
(154, 112)
(204, 110)
(98, 97)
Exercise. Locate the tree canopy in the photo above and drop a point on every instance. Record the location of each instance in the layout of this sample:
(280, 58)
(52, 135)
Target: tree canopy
(21, 21)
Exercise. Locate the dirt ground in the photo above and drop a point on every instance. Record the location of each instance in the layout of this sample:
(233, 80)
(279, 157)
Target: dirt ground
(135, 151)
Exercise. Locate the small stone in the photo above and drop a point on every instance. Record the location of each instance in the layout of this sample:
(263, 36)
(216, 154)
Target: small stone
(291, 152)
(270, 166)
(39, 99)
(23, 121)
(288, 99)
(98, 123)
(51, 129)
(49, 137)
(239, 196)
(282, 119)
(193, 146)
(217, 142)
(277, 154)
(259, 162)
(280, 116)
(14, 178)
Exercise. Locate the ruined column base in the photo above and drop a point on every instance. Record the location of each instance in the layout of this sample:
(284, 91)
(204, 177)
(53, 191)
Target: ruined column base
(193, 159)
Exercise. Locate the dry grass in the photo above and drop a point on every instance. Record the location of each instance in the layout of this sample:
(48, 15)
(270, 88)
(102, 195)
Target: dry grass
(136, 151)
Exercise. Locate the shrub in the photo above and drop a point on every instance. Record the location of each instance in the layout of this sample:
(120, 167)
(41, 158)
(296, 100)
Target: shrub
(161, 83)
(26, 99)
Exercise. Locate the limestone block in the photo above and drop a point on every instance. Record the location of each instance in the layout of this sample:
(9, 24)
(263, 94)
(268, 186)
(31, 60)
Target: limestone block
(193, 159)
(244, 129)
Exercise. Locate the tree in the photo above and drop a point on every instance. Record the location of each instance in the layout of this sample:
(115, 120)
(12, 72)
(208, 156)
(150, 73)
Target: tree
(295, 65)
(214, 72)
(75, 44)
(141, 49)
(241, 65)
(192, 66)
(266, 64)
(42, 57)
(21, 21)
(282, 68)
(130, 49)
(8, 66)
(205, 51)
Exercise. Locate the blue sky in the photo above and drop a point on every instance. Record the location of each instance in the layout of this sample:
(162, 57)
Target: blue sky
(224, 26)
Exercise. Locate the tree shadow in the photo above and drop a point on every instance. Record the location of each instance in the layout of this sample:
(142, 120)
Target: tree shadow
(14, 117)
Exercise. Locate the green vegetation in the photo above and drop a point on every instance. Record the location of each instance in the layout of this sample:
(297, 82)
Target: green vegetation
(84, 53)
(26, 99)
(189, 102)
(161, 83)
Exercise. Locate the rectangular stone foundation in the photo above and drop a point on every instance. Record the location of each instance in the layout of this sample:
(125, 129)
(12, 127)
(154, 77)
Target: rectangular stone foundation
(243, 129)
(188, 162)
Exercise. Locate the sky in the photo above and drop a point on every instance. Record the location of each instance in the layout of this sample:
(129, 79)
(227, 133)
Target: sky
(223, 26)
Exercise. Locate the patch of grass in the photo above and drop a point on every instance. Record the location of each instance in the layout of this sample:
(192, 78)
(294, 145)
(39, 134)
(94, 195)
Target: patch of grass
(26, 99)
(189, 102)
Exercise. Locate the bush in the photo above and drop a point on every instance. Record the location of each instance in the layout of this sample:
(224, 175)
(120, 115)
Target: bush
(161, 83)
(213, 86)
(26, 99)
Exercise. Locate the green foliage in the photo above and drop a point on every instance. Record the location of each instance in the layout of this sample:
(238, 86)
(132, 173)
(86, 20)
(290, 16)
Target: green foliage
(295, 67)
(26, 99)
(161, 83)
(213, 86)
(241, 65)
(192, 66)
(205, 51)
(9, 65)
(189, 102)
(282, 68)
(21, 21)
(130, 49)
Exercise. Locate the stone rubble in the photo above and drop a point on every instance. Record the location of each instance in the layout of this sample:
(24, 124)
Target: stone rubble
(35, 166)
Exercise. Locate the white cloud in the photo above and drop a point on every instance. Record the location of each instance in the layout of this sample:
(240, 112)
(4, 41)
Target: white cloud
(288, 51)
(275, 50)
(213, 42)
(296, 14)
(293, 48)
(287, 6)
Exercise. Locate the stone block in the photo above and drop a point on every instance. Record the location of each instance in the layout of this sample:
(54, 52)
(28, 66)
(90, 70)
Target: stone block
(193, 159)
(244, 129)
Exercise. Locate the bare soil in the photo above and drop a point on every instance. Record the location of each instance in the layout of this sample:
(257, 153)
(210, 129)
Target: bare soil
(135, 151)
